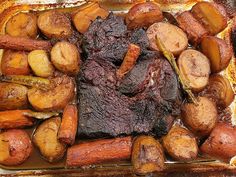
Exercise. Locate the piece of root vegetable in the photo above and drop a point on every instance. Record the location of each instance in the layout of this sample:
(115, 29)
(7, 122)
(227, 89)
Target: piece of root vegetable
(211, 15)
(23, 25)
(15, 63)
(172, 37)
(40, 63)
(54, 24)
(129, 60)
(147, 155)
(68, 128)
(217, 51)
(22, 43)
(15, 119)
(194, 68)
(143, 15)
(100, 151)
(200, 118)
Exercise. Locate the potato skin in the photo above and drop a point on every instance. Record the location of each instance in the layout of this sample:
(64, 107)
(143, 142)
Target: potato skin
(22, 25)
(201, 118)
(65, 57)
(143, 15)
(15, 63)
(45, 138)
(19, 147)
(54, 24)
(180, 144)
(147, 155)
(220, 55)
(221, 143)
(55, 99)
(12, 96)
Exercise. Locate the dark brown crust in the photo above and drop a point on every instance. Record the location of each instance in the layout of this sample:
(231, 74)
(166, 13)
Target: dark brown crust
(21, 43)
(195, 31)
(99, 151)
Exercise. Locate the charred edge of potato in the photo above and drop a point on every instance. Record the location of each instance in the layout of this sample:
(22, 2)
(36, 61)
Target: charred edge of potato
(61, 93)
(13, 96)
(83, 17)
(45, 139)
(147, 155)
(15, 147)
(15, 63)
(40, 63)
(65, 57)
(143, 15)
(200, 118)
(22, 25)
(54, 24)
(180, 144)
(218, 52)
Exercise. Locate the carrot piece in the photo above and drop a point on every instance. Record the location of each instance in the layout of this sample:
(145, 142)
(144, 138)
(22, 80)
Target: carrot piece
(68, 128)
(15, 119)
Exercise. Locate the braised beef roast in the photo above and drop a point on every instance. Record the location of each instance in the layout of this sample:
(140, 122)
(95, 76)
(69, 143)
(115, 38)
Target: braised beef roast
(142, 102)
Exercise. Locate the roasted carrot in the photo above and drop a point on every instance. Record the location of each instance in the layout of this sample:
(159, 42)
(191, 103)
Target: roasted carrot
(99, 151)
(15, 119)
(68, 128)
(129, 60)
(21, 43)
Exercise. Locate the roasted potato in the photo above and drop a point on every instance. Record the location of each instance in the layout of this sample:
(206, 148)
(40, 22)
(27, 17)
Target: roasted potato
(15, 147)
(22, 25)
(143, 15)
(12, 96)
(200, 118)
(45, 138)
(56, 98)
(194, 68)
(54, 24)
(221, 142)
(147, 155)
(172, 37)
(83, 17)
(15, 63)
(40, 64)
(65, 57)
(212, 16)
(219, 90)
(180, 144)
(217, 51)
(194, 29)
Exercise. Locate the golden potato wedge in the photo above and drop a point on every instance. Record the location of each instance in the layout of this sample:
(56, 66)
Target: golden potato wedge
(56, 98)
(15, 147)
(180, 144)
(65, 57)
(22, 25)
(217, 51)
(147, 155)
(45, 139)
(211, 15)
(15, 63)
(12, 96)
(200, 118)
(54, 24)
(40, 63)
(143, 15)
(172, 37)
(194, 68)
(84, 16)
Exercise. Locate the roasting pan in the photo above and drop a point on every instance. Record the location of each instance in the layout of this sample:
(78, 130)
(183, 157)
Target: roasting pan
(36, 166)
